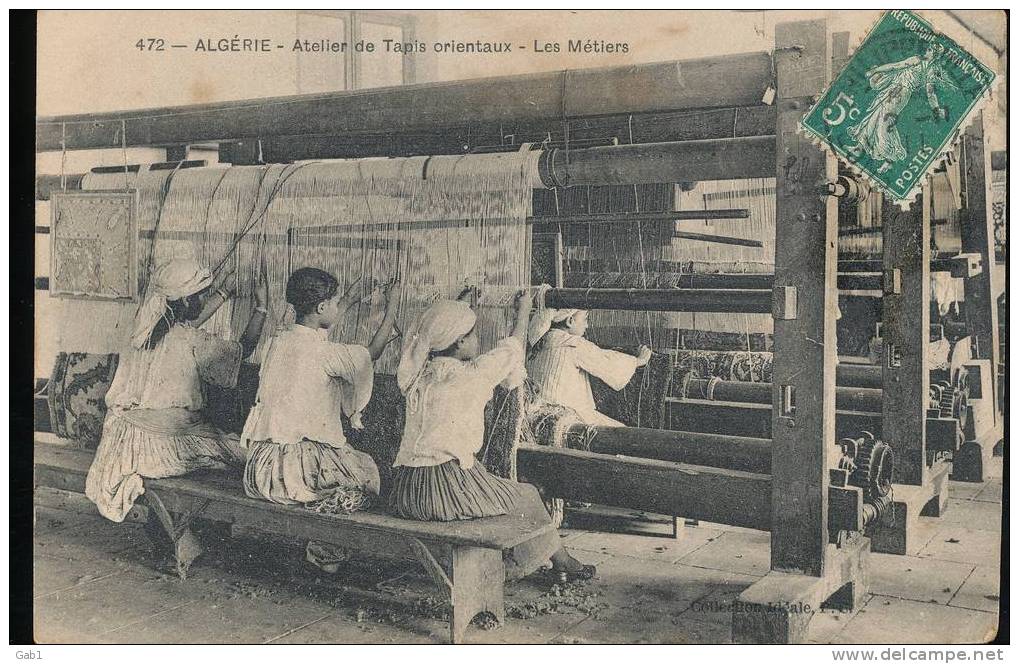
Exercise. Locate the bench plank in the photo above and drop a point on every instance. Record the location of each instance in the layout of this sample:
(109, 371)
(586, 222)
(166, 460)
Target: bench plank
(60, 468)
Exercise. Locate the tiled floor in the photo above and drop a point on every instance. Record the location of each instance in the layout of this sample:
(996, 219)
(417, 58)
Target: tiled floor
(96, 581)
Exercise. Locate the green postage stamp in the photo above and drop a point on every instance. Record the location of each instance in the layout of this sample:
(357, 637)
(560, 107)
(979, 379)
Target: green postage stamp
(898, 102)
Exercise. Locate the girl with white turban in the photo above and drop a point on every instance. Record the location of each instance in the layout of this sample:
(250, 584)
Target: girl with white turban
(155, 425)
(562, 361)
(447, 384)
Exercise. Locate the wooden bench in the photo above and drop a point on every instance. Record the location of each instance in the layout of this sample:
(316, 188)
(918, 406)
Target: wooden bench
(464, 558)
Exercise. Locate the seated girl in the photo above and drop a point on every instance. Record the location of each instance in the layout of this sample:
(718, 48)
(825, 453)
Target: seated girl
(155, 426)
(562, 360)
(447, 384)
(297, 451)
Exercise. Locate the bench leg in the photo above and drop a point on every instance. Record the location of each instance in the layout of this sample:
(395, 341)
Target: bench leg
(477, 585)
(186, 547)
(474, 584)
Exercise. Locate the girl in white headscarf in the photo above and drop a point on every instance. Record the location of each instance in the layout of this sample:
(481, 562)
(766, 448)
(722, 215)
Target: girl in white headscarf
(155, 425)
(562, 361)
(447, 384)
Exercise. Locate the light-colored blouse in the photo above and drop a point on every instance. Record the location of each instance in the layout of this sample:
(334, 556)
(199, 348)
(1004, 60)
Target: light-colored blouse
(446, 418)
(560, 365)
(172, 375)
(305, 384)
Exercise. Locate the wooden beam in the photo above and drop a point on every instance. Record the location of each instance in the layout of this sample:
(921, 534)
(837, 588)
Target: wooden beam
(676, 161)
(626, 128)
(905, 329)
(717, 239)
(977, 230)
(660, 299)
(642, 88)
(960, 265)
(848, 398)
(803, 419)
(732, 452)
(753, 420)
(697, 492)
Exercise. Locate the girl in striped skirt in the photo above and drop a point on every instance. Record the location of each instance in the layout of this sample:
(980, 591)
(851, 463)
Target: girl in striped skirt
(447, 383)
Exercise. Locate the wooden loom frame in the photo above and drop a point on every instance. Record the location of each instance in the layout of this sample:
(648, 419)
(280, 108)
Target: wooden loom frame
(806, 566)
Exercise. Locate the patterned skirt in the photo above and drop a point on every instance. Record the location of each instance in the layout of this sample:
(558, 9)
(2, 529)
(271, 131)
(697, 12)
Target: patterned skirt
(152, 443)
(448, 492)
(306, 472)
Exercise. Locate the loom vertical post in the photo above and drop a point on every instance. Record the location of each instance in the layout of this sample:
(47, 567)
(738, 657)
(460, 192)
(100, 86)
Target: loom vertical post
(807, 570)
(981, 308)
(920, 486)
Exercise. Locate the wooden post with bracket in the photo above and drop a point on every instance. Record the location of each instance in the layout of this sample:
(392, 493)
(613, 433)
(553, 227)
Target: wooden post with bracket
(920, 482)
(808, 571)
(981, 308)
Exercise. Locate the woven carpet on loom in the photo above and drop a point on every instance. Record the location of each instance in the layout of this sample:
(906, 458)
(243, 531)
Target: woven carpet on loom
(76, 393)
(642, 402)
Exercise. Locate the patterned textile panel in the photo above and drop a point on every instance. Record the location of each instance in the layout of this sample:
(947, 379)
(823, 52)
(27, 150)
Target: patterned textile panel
(754, 367)
(227, 408)
(642, 402)
(76, 393)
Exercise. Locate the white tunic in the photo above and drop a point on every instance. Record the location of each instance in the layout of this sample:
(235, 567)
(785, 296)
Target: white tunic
(448, 419)
(560, 367)
(172, 374)
(305, 384)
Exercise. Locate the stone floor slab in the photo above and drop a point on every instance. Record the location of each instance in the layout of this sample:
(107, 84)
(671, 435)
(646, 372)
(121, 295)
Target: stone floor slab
(964, 490)
(734, 551)
(892, 620)
(920, 579)
(959, 544)
(981, 590)
(992, 492)
(975, 514)
(666, 550)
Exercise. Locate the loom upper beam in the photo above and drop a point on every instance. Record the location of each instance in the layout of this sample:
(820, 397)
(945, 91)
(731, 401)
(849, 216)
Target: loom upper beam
(661, 299)
(676, 161)
(624, 128)
(643, 163)
(643, 88)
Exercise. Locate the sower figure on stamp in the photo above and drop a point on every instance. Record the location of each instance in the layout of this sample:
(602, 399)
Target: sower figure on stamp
(876, 133)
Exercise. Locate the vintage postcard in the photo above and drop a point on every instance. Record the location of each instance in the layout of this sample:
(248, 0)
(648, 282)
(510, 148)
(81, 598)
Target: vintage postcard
(519, 327)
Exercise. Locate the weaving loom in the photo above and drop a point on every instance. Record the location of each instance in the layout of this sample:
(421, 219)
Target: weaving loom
(436, 223)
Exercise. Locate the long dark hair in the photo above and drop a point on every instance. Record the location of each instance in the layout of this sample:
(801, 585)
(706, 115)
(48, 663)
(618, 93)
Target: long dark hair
(177, 311)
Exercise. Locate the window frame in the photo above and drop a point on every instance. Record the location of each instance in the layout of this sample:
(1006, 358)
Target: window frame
(352, 20)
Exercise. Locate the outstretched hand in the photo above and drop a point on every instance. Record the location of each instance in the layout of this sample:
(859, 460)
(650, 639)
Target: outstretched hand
(223, 276)
(355, 422)
(348, 294)
(643, 356)
(262, 288)
(393, 293)
(470, 295)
